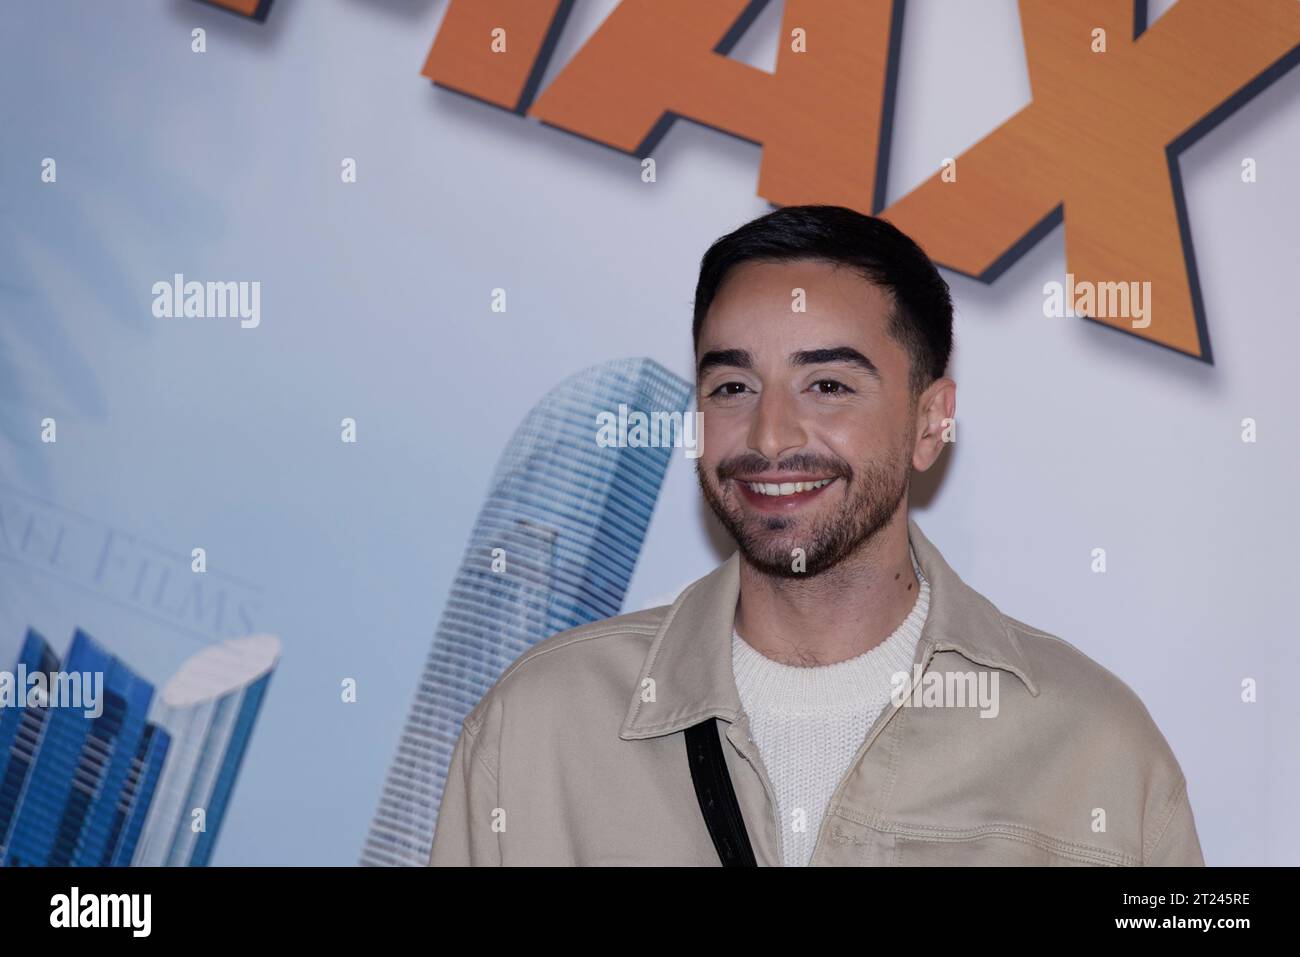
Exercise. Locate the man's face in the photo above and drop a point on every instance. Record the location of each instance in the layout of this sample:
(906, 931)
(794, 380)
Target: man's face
(809, 424)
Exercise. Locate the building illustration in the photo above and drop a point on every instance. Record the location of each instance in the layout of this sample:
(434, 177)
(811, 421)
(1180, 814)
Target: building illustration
(553, 547)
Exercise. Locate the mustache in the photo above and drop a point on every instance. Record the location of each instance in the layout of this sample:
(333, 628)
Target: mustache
(750, 463)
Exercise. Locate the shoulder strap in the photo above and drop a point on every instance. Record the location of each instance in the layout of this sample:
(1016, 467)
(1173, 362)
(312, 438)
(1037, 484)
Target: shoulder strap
(716, 795)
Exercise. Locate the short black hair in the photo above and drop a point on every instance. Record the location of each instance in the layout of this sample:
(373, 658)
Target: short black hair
(921, 319)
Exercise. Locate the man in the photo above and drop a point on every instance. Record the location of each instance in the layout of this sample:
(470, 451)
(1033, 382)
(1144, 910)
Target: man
(869, 707)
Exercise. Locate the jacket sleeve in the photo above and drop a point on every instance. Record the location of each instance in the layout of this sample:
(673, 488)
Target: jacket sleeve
(464, 836)
(1177, 844)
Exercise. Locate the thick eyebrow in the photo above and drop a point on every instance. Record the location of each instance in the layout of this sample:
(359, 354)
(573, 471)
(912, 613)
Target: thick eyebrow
(738, 358)
(845, 354)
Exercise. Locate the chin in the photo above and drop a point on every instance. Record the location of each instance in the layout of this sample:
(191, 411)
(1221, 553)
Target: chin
(772, 555)
(782, 565)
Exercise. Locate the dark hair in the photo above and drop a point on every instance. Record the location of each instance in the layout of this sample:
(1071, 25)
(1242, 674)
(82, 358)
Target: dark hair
(921, 319)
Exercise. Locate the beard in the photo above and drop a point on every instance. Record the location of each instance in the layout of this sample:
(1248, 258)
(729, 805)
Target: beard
(872, 496)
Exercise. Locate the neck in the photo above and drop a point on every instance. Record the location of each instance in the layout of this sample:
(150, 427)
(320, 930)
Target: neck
(838, 614)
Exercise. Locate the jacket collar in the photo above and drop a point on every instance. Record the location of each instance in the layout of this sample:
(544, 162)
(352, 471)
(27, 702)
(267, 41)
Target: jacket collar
(687, 670)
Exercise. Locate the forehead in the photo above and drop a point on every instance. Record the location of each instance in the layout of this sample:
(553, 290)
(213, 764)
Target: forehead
(753, 309)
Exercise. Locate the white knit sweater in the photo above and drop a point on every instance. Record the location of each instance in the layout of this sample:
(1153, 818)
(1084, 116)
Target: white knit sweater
(809, 722)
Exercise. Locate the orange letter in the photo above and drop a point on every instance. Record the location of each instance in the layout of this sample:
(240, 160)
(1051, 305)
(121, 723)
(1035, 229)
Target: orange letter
(1101, 138)
(465, 59)
(818, 117)
(253, 9)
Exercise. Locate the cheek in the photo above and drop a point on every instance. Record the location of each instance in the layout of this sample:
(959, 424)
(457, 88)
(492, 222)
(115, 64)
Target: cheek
(857, 437)
(722, 433)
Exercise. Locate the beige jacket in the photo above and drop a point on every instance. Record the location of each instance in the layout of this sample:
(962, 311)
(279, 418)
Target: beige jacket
(576, 756)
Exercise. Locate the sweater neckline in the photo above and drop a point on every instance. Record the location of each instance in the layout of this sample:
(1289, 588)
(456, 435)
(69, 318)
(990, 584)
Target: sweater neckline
(860, 682)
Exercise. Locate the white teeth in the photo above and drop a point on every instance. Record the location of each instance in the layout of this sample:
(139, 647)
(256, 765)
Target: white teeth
(785, 488)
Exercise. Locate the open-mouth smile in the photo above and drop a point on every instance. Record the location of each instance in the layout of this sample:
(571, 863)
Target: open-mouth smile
(773, 496)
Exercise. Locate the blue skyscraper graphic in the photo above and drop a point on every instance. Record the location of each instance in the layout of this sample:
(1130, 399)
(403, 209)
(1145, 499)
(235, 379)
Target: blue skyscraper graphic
(209, 708)
(74, 789)
(568, 518)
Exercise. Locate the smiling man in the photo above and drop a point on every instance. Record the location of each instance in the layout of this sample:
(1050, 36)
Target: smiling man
(822, 697)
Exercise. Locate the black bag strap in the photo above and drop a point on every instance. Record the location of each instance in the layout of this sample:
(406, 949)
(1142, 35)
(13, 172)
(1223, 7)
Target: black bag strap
(716, 795)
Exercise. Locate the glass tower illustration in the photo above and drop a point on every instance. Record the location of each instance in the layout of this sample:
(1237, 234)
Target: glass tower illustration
(209, 708)
(553, 547)
(74, 788)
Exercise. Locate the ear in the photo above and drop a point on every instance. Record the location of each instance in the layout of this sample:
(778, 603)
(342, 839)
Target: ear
(936, 423)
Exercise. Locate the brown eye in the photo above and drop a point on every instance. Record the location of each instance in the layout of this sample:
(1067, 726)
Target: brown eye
(729, 389)
(831, 387)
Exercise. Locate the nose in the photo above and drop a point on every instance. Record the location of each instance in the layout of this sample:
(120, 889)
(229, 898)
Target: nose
(775, 428)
